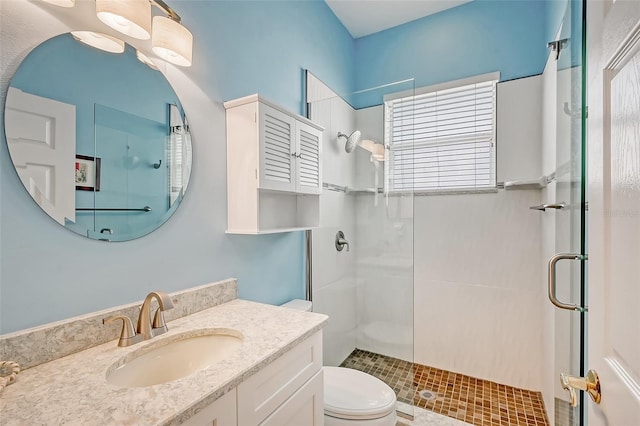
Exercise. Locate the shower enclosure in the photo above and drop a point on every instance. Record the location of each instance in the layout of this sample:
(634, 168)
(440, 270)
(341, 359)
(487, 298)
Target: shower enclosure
(363, 277)
(476, 306)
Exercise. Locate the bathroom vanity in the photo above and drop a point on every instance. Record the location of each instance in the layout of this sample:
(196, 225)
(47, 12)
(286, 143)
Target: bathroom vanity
(274, 377)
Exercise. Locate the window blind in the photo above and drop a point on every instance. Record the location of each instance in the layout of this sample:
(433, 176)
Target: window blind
(442, 140)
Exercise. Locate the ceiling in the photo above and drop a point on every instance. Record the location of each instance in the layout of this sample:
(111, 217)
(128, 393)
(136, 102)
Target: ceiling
(364, 17)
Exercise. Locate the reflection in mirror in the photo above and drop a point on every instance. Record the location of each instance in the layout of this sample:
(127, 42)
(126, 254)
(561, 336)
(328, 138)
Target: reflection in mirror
(99, 140)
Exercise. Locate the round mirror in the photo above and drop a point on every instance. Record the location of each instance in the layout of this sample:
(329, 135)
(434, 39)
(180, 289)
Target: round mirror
(100, 140)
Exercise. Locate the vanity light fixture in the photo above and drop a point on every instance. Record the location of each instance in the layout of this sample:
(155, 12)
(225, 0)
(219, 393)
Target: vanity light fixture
(62, 3)
(99, 41)
(170, 40)
(145, 60)
(130, 17)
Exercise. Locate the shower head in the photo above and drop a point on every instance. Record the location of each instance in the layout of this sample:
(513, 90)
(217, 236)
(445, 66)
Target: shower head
(352, 140)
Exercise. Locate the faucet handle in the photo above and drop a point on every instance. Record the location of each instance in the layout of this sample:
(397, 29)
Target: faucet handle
(128, 334)
(159, 326)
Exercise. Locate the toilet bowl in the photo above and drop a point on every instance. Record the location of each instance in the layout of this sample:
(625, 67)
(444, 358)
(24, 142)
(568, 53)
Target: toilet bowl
(352, 397)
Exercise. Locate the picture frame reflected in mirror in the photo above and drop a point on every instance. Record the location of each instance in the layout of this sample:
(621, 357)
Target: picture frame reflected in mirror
(87, 173)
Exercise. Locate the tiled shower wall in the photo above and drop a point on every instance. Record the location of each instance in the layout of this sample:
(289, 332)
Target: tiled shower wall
(478, 281)
(333, 273)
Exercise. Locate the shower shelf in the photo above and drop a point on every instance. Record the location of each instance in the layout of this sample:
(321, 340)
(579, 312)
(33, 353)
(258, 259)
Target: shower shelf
(360, 191)
(349, 190)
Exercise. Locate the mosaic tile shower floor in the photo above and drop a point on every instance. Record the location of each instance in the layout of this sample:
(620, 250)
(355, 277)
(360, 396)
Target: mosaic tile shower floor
(476, 401)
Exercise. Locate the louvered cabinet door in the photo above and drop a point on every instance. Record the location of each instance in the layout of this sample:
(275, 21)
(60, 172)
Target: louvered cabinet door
(277, 150)
(308, 159)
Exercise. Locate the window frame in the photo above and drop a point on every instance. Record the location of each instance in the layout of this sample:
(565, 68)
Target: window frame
(493, 77)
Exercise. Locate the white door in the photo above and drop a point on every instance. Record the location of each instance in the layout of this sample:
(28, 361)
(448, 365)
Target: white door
(41, 135)
(614, 209)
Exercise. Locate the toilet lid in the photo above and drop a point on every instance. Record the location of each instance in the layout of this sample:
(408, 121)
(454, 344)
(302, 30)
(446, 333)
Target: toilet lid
(352, 394)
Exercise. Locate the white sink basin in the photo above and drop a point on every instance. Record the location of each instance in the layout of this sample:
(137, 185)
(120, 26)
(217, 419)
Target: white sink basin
(174, 357)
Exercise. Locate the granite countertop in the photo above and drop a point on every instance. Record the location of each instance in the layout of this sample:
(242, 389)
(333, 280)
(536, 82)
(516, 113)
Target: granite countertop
(73, 389)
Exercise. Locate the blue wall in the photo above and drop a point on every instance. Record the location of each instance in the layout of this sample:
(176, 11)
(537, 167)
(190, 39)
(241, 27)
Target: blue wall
(265, 46)
(247, 47)
(240, 48)
(48, 273)
(476, 38)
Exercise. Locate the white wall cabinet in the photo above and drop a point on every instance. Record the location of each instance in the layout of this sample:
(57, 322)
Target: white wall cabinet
(274, 168)
(289, 391)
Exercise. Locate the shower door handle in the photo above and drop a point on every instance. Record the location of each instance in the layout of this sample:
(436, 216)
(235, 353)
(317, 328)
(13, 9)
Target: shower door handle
(552, 280)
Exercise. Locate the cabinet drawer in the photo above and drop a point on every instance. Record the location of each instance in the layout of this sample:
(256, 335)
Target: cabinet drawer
(263, 393)
(305, 407)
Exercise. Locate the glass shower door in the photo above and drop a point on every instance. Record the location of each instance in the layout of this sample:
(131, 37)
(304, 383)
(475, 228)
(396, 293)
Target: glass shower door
(367, 287)
(570, 220)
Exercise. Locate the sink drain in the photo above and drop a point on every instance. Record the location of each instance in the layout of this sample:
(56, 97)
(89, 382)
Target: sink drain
(427, 395)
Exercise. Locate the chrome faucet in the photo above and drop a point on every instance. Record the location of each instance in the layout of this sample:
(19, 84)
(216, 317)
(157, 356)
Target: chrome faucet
(128, 334)
(146, 328)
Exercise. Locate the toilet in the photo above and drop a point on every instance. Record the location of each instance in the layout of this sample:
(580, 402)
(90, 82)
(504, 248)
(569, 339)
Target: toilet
(352, 397)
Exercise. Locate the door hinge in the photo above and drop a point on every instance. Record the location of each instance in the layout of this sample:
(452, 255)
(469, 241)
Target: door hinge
(557, 46)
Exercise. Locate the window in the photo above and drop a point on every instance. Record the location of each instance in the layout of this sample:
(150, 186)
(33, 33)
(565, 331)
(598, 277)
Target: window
(442, 138)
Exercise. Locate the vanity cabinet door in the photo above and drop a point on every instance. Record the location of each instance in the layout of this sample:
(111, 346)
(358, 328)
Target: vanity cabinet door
(264, 393)
(305, 407)
(223, 412)
(277, 150)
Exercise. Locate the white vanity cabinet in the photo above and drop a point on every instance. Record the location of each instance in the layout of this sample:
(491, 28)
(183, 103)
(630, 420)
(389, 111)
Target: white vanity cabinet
(274, 168)
(287, 392)
(223, 412)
